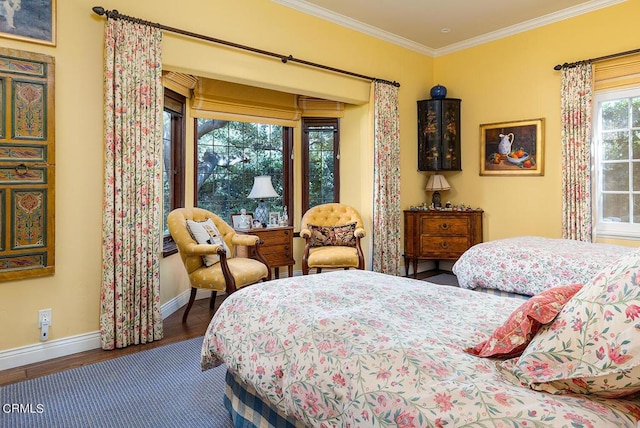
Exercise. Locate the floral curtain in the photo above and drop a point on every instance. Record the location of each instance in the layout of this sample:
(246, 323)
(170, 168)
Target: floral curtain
(386, 198)
(576, 110)
(130, 293)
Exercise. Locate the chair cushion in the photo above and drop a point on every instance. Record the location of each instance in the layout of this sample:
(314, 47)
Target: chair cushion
(245, 271)
(340, 235)
(206, 232)
(333, 257)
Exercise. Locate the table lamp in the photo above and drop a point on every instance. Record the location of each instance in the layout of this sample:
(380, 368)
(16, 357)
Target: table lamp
(262, 188)
(435, 184)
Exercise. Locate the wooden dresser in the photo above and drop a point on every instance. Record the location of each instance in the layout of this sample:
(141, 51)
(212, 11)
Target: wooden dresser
(277, 247)
(439, 235)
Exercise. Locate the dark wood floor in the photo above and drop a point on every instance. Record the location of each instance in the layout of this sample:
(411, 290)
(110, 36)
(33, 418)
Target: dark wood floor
(174, 331)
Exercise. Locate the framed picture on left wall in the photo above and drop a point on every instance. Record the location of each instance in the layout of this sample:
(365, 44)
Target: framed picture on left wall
(29, 20)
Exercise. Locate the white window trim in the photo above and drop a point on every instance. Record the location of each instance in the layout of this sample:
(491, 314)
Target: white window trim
(601, 228)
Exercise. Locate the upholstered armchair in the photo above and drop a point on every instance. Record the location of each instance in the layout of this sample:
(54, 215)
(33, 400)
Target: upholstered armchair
(332, 234)
(208, 254)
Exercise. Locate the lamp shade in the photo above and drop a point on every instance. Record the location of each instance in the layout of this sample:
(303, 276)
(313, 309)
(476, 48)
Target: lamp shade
(262, 188)
(437, 182)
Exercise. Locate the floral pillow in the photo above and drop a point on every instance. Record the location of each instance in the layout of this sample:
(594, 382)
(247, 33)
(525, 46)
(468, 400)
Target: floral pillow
(343, 235)
(512, 337)
(206, 232)
(593, 345)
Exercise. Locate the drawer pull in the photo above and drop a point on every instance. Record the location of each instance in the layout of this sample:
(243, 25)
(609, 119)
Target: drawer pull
(444, 226)
(21, 169)
(444, 245)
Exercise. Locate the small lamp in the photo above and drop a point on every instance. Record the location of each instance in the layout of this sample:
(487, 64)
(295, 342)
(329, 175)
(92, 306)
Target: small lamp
(262, 188)
(436, 183)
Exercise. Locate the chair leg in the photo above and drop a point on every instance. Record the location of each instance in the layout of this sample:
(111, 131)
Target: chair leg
(318, 270)
(212, 302)
(192, 298)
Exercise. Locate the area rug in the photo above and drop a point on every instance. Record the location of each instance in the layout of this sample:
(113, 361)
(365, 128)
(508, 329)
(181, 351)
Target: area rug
(161, 387)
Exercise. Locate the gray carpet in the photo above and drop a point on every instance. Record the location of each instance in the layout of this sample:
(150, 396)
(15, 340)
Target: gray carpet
(161, 387)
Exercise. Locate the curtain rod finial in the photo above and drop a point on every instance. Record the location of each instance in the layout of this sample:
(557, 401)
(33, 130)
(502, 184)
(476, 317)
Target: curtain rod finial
(557, 67)
(98, 10)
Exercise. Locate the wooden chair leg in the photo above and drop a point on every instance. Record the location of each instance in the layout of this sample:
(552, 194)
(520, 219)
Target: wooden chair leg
(212, 302)
(318, 270)
(192, 298)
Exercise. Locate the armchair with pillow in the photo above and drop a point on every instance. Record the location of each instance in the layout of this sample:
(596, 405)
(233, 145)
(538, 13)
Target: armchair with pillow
(206, 244)
(332, 234)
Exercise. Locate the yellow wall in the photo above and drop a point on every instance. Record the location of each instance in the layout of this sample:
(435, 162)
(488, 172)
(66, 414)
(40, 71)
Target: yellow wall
(514, 79)
(504, 80)
(74, 291)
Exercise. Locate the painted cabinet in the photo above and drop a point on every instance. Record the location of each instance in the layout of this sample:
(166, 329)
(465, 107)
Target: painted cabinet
(439, 135)
(27, 168)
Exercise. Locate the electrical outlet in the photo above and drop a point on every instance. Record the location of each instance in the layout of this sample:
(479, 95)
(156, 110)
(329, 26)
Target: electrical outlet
(44, 316)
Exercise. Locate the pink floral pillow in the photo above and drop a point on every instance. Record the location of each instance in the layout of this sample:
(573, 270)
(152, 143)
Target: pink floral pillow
(512, 337)
(593, 345)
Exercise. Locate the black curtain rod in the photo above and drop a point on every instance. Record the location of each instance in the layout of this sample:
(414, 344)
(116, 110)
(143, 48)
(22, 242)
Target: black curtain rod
(114, 14)
(600, 58)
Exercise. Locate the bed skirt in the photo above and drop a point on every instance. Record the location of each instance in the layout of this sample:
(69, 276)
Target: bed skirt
(248, 410)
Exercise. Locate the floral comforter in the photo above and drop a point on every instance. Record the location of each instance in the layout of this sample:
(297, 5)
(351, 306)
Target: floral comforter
(363, 349)
(531, 264)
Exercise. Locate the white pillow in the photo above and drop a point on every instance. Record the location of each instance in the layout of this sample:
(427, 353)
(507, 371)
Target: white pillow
(206, 232)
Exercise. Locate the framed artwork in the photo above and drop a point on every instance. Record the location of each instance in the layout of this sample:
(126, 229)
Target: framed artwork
(237, 221)
(274, 218)
(512, 148)
(29, 20)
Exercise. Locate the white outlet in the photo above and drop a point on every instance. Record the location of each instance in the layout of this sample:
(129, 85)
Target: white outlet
(44, 316)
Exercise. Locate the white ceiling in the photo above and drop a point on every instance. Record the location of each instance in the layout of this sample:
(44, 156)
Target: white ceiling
(419, 24)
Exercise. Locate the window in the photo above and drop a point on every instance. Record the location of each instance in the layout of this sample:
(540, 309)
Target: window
(230, 154)
(172, 162)
(617, 161)
(320, 161)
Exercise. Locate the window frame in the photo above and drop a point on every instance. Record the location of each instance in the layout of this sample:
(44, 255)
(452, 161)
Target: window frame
(603, 229)
(287, 167)
(308, 122)
(175, 104)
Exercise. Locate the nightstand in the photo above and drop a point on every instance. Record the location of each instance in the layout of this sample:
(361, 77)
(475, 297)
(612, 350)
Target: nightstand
(277, 247)
(439, 235)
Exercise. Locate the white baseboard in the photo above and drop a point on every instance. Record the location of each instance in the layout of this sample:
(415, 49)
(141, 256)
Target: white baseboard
(43, 351)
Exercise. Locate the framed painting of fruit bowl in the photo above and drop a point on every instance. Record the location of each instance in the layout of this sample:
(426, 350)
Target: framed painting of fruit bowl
(512, 148)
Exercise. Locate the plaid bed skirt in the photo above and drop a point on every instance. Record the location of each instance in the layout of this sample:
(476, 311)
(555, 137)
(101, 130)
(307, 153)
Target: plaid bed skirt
(248, 410)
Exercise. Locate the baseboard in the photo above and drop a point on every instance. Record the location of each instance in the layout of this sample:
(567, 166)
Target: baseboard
(43, 351)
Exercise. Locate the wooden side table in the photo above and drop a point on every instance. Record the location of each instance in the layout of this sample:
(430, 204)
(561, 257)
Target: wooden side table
(439, 235)
(277, 247)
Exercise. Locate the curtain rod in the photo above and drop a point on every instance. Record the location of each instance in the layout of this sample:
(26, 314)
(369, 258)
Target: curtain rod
(114, 14)
(600, 58)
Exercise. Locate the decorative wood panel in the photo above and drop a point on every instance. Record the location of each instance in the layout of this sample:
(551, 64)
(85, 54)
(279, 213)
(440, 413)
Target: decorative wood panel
(27, 165)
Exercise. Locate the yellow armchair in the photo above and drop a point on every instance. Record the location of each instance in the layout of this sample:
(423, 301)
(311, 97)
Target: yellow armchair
(226, 272)
(332, 234)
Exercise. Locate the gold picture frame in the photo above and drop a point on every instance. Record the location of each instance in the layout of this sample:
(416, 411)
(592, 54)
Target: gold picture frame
(512, 148)
(29, 20)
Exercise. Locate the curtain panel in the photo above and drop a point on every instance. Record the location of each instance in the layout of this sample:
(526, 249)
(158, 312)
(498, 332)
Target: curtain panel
(386, 198)
(576, 118)
(131, 244)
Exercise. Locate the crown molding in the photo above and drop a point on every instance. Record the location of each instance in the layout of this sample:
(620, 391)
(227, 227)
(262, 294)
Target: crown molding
(322, 13)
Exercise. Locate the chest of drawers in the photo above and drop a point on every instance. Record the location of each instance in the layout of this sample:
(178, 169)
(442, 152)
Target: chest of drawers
(439, 235)
(277, 247)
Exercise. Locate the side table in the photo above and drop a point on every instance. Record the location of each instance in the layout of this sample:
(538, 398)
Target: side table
(277, 247)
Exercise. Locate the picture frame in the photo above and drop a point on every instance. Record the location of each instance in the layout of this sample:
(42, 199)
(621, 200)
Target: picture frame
(29, 20)
(512, 148)
(236, 221)
(274, 218)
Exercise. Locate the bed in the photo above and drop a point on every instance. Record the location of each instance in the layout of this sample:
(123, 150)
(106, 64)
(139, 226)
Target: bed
(363, 349)
(528, 265)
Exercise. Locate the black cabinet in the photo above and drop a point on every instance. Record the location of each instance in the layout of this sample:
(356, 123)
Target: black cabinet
(439, 135)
